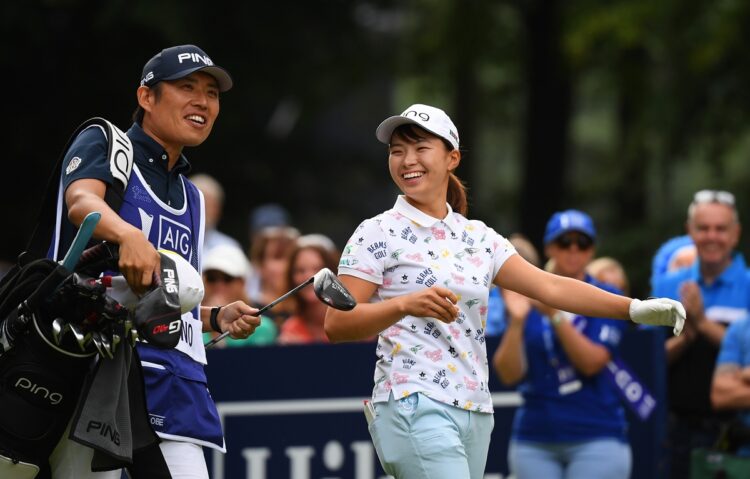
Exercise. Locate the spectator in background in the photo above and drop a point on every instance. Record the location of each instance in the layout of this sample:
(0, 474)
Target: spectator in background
(213, 195)
(495, 305)
(305, 325)
(317, 239)
(224, 270)
(269, 253)
(730, 389)
(715, 291)
(675, 253)
(267, 215)
(571, 424)
(610, 271)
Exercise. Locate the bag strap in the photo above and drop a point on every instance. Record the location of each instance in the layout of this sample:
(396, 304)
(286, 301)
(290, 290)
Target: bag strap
(120, 156)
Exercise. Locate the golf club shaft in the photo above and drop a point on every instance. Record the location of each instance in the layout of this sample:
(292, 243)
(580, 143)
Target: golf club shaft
(264, 309)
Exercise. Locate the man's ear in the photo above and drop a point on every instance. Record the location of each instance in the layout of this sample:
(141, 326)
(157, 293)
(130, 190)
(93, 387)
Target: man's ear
(146, 98)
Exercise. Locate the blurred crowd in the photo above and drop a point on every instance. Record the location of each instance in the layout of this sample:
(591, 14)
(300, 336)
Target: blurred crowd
(701, 268)
(564, 365)
(279, 258)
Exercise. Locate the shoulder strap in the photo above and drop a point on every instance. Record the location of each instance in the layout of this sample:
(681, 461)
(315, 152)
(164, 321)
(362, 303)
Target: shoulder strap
(120, 155)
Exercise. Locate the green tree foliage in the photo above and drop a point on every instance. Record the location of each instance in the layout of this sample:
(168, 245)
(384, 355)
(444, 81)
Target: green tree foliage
(622, 108)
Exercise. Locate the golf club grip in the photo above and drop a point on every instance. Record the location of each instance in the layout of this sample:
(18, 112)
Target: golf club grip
(82, 238)
(264, 309)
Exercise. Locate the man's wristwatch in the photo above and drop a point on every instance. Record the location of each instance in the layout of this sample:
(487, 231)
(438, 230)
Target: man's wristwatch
(214, 319)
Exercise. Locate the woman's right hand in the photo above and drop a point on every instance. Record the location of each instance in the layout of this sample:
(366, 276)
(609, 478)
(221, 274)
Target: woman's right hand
(517, 306)
(435, 302)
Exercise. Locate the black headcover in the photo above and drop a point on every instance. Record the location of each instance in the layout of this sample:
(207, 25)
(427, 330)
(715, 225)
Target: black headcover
(157, 314)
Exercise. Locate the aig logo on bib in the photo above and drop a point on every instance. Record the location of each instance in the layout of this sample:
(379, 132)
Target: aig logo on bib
(174, 236)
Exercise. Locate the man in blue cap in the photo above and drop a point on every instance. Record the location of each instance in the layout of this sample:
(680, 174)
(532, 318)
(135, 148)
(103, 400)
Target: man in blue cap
(178, 103)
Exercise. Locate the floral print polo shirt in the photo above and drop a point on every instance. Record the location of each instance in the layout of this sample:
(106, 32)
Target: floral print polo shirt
(403, 250)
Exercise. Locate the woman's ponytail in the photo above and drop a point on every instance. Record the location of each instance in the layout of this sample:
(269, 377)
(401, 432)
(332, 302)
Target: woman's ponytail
(457, 195)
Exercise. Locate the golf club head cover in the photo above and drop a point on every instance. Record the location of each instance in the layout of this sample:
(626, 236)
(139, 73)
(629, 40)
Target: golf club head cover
(190, 285)
(157, 313)
(79, 300)
(98, 259)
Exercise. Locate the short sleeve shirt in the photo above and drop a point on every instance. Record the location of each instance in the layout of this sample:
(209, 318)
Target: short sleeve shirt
(404, 250)
(725, 301)
(735, 349)
(594, 410)
(87, 159)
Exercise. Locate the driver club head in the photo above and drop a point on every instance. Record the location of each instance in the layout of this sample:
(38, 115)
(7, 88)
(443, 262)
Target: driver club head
(331, 291)
(328, 289)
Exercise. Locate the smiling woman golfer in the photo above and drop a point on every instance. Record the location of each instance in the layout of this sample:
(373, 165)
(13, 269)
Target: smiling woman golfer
(421, 274)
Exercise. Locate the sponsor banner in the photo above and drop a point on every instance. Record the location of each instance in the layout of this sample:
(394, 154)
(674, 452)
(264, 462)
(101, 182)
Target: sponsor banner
(297, 412)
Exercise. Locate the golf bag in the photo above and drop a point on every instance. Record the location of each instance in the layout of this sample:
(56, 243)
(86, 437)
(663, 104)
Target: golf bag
(42, 371)
(41, 379)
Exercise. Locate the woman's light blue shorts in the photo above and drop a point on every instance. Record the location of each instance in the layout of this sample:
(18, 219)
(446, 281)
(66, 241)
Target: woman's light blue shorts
(417, 437)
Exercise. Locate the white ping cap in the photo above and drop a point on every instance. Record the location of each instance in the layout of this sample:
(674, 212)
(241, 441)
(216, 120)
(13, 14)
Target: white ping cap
(432, 119)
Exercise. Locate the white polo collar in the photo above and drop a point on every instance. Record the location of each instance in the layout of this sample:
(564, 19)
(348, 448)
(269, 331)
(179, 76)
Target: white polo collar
(423, 219)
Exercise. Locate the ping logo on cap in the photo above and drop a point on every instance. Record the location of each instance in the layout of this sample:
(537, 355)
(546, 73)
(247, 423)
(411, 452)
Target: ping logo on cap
(149, 76)
(418, 114)
(180, 61)
(195, 58)
(432, 119)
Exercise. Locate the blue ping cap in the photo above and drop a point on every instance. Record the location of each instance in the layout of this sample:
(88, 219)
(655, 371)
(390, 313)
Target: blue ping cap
(569, 220)
(180, 61)
(268, 215)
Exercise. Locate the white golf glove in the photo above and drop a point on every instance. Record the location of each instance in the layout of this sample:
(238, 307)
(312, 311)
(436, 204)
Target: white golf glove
(658, 312)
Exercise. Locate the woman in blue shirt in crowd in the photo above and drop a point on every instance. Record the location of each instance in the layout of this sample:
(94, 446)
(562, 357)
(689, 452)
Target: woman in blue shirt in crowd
(571, 424)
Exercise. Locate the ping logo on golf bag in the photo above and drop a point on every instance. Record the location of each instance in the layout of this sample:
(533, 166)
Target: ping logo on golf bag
(29, 387)
(105, 430)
